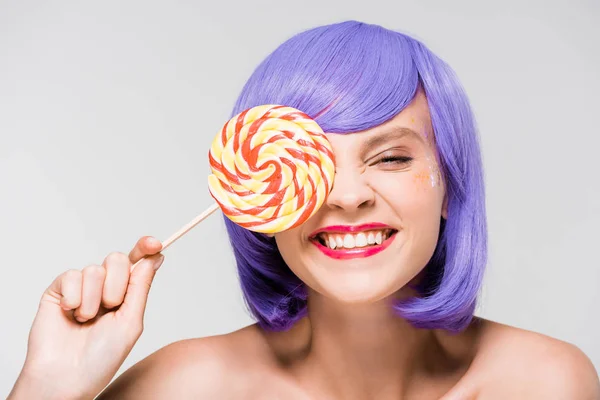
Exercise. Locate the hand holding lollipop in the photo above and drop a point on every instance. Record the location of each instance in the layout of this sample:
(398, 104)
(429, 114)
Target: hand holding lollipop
(272, 169)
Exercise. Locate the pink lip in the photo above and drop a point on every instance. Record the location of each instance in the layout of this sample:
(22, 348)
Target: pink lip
(357, 252)
(351, 229)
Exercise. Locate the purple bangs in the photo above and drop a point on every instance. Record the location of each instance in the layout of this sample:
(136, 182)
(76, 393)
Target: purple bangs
(353, 76)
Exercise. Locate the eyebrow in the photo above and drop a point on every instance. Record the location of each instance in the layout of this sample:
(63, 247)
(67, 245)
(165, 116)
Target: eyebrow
(391, 134)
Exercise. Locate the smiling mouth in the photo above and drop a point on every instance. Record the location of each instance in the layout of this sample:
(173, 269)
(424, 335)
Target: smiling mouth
(336, 241)
(353, 245)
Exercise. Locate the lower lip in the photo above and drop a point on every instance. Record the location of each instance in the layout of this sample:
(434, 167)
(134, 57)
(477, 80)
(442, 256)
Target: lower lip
(357, 252)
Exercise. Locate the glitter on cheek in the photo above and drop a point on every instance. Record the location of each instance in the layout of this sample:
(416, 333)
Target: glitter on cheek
(421, 181)
(430, 177)
(435, 177)
(421, 177)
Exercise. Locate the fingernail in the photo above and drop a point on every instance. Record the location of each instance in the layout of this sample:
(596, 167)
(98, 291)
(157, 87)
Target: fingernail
(159, 262)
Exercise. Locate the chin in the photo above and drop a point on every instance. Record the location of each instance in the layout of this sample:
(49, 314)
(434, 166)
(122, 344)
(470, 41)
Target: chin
(358, 287)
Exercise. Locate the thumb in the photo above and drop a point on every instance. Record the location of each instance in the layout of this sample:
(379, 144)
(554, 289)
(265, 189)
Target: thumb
(139, 285)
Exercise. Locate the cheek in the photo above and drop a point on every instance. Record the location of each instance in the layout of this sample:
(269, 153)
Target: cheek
(416, 198)
(291, 248)
(428, 176)
(412, 192)
(286, 244)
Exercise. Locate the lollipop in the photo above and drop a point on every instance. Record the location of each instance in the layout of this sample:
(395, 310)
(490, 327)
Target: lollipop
(272, 168)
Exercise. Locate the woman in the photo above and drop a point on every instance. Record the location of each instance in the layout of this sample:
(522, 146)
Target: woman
(371, 298)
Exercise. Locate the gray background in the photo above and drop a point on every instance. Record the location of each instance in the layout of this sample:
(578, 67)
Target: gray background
(107, 111)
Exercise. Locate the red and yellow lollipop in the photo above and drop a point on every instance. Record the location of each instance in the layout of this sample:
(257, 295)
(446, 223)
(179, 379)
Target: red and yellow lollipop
(272, 168)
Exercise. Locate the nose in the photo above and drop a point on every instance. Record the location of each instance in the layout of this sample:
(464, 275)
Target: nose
(350, 192)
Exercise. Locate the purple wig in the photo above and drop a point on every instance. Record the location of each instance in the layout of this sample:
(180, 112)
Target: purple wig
(353, 76)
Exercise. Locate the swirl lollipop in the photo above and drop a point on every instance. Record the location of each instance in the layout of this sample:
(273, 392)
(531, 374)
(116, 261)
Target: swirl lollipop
(272, 169)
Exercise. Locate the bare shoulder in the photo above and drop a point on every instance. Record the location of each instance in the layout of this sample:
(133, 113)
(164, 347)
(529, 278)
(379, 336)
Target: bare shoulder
(526, 364)
(208, 367)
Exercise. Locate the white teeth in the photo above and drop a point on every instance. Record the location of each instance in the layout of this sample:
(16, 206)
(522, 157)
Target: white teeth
(370, 238)
(332, 243)
(349, 241)
(378, 238)
(361, 240)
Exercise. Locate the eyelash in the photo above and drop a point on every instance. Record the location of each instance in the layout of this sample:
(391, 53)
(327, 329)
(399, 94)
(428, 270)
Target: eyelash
(395, 160)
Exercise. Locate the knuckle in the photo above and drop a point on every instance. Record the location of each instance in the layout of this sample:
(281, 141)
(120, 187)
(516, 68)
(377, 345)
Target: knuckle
(115, 257)
(85, 311)
(86, 314)
(71, 274)
(96, 270)
(112, 301)
(69, 302)
(87, 268)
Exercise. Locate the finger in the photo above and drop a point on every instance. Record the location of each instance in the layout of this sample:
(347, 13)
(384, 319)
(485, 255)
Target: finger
(147, 245)
(91, 293)
(138, 288)
(68, 289)
(117, 276)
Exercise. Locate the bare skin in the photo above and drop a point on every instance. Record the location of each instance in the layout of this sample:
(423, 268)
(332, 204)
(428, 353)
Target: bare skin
(486, 361)
(489, 361)
(350, 346)
(87, 323)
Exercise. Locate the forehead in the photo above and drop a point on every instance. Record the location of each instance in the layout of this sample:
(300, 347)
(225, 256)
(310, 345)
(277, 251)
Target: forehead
(414, 117)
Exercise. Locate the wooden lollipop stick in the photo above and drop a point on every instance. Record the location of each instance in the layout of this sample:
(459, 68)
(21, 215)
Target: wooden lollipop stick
(183, 230)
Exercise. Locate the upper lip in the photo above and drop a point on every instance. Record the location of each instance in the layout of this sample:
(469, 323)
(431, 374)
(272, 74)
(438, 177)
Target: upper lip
(351, 228)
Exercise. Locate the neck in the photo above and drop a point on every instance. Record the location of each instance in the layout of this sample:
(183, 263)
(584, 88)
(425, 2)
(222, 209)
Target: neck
(365, 351)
